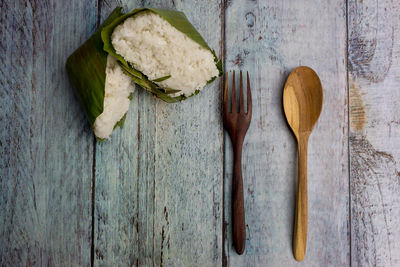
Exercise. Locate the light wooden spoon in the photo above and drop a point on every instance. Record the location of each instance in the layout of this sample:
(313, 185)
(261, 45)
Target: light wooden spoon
(302, 102)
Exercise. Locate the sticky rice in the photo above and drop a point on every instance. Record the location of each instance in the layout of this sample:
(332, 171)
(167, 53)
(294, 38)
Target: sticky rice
(157, 49)
(118, 88)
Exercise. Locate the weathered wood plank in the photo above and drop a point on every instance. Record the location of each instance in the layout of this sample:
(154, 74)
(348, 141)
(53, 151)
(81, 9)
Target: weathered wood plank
(117, 186)
(374, 131)
(45, 142)
(189, 157)
(159, 180)
(157, 206)
(269, 40)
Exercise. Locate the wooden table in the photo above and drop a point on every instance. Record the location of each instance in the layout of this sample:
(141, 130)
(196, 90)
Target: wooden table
(158, 193)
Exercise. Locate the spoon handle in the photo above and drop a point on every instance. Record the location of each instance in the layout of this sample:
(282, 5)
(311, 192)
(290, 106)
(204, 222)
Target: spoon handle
(300, 224)
(238, 220)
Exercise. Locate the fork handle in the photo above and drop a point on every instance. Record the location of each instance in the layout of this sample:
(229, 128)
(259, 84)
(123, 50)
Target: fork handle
(238, 219)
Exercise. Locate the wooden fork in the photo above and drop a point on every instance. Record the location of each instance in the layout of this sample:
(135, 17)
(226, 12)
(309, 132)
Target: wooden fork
(237, 123)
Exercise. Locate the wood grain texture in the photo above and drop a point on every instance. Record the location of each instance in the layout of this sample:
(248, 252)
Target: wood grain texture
(46, 146)
(158, 193)
(302, 104)
(158, 184)
(124, 190)
(374, 76)
(269, 39)
(237, 120)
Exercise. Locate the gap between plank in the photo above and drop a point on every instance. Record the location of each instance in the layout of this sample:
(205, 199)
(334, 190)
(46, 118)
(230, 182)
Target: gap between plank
(348, 124)
(138, 175)
(93, 202)
(99, 5)
(221, 88)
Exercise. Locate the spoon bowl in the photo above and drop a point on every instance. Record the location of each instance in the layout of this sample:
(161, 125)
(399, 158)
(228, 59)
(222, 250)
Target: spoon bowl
(302, 100)
(302, 103)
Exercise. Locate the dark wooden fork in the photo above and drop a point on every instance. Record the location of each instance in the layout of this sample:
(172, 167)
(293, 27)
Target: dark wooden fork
(237, 123)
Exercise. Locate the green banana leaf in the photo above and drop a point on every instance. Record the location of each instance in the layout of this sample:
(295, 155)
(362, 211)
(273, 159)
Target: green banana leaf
(180, 22)
(86, 69)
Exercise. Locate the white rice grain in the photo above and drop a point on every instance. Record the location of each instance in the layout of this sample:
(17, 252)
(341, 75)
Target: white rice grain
(157, 49)
(118, 87)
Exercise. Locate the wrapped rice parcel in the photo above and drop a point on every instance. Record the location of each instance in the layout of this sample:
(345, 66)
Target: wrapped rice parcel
(101, 86)
(157, 49)
(162, 52)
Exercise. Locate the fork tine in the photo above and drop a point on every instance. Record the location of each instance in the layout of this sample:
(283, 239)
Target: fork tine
(226, 105)
(241, 100)
(234, 110)
(249, 103)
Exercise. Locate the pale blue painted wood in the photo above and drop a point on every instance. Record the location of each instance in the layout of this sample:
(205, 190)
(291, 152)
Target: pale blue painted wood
(374, 131)
(269, 39)
(159, 181)
(124, 215)
(46, 146)
(189, 161)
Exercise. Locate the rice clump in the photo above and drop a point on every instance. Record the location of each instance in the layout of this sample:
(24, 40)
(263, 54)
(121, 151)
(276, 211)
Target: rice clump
(118, 87)
(157, 49)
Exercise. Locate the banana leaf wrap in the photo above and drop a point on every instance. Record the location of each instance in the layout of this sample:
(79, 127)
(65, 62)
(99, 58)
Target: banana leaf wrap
(86, 69)
(179, 21)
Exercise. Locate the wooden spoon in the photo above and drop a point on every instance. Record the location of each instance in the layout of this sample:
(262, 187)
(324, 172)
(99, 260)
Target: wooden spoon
(302, 102)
